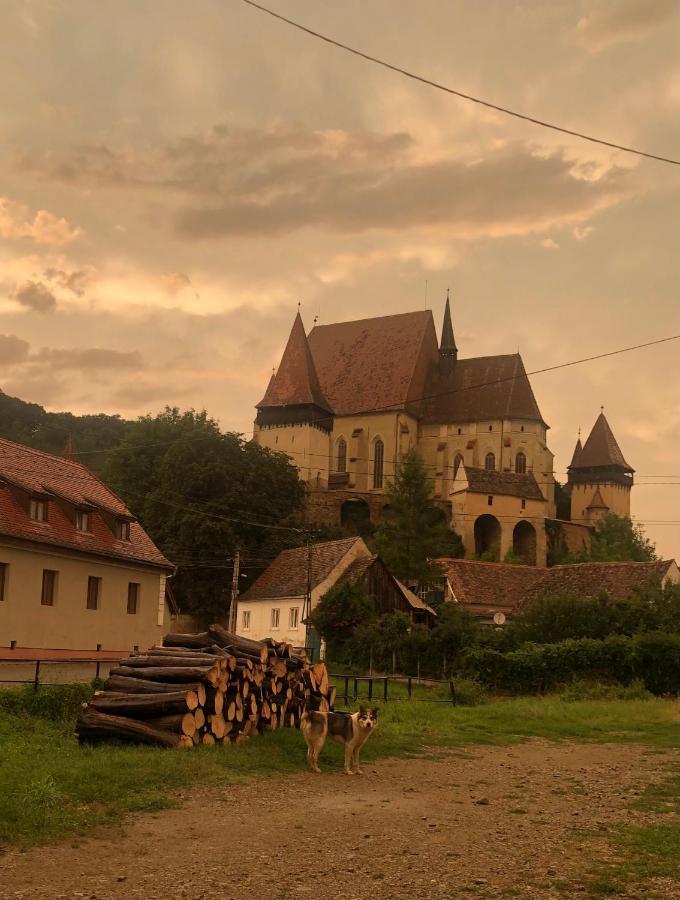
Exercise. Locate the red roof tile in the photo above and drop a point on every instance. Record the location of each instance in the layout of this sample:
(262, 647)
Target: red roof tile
(601, 449)
(484, 588)
(510, 484)
(617, 580)
(287, 575)
(37, 473)
(295, 382)
(374, 362)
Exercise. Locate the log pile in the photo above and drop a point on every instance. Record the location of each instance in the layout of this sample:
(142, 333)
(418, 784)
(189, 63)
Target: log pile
(207, 688)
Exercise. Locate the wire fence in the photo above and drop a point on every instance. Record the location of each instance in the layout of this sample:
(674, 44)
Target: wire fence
(377, 688)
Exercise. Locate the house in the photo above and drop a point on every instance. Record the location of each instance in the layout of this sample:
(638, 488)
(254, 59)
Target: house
(495, 592)
(350, 398)
(275, 605)
(77, 570)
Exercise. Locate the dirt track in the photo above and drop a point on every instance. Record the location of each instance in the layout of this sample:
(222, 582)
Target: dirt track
(492, 822)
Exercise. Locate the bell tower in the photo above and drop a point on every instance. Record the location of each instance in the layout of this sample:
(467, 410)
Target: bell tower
(599, 478)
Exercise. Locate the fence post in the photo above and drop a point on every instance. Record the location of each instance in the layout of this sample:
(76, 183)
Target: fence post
(346, 690)
(36, 681)
(356, 688)
(410, 687)
(453, 692)
(385, 689)
(370, 688)
(96, 674)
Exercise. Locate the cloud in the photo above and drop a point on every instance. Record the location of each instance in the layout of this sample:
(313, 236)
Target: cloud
(612, 22)
(581, 233)
(36, 296)
(89, 358)
(550, 244)
(43, 227)
(76, 281)
(174, 282)
(12, 349)
(269, 182)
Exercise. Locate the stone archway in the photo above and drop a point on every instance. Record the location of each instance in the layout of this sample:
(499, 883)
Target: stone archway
(488, 537)
(355, 515)
(524, 542)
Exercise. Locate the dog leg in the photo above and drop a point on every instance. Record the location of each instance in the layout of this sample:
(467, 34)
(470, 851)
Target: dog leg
(355, 761)
(349, 753)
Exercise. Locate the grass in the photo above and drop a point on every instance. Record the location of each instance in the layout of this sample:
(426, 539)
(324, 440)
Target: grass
(51, 787)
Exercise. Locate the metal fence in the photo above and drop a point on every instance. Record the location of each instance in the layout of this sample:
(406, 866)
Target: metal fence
(37, 668)
(383, 681)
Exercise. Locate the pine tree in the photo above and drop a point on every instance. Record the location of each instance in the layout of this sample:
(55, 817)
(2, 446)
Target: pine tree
(415, 530)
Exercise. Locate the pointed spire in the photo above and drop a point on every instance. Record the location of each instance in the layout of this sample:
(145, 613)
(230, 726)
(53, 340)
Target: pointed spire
(601, 448)
(578, 450)
(70, 451)
(448, 352)
(295, 382)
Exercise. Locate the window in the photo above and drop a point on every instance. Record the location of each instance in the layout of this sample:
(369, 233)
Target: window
(3, 579)
(49, 587)
(521, 428)
(457, 463)
(460, 431)
(293, 617)
(124, 530)
(524, 503)
(275, 618)
(82, 520)
(520, 463)
(94, 585)
(489, 500)
(342, 456)
(133, 598)
(38, 510)
(378, 463)
(490, 427)
(490, 462)
(245, 619)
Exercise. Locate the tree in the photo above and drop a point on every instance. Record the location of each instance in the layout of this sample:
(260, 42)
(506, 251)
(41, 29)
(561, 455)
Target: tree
(415, 530)
(618, 538)
(455, 630)
(338, 613)
(394, 629)
(200, 494)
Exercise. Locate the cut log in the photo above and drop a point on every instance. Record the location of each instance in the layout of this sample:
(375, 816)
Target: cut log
(208, 738)
(182, 673)
(182, 724)
(188, 640)
(199, 717)
(148, 661)
(94, 725)
(131, 685)
(142, 706)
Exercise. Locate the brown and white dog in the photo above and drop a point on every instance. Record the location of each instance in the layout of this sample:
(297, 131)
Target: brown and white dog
(350, 729)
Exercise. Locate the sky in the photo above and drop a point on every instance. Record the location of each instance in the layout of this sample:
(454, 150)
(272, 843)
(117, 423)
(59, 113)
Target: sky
(176, 177)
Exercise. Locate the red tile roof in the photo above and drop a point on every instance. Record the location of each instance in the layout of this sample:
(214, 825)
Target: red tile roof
(600, 449)
(287, 575)
(510, 484)
(482, 388)
(374, 362)
(24, 471)
(617, 580)
(484, 588)
(296, 382)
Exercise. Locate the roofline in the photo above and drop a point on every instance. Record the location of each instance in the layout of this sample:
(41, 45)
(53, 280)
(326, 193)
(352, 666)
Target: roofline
(375, 318)
(167, 566)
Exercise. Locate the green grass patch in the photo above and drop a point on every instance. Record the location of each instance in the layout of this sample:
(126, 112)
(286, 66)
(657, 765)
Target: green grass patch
(50, 786)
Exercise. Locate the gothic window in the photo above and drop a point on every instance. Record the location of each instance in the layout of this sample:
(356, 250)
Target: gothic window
(378, 463)
(490, 461)
(342, 456)
(520, 463)
(457, 463)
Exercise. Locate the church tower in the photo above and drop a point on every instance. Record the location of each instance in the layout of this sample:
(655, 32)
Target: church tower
(599, 478)
(448, 352)
(294, 417)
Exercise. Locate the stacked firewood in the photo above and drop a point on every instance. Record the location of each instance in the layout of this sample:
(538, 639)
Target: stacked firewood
(207, 688)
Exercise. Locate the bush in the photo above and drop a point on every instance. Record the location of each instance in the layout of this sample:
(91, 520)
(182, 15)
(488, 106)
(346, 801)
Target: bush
(58, 703)
(469, 692)
(583, 689)
(652, 657)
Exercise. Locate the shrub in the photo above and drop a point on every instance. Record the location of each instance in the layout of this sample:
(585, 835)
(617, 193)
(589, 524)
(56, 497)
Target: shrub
(57, 703)
(469, 692)
(584, 689)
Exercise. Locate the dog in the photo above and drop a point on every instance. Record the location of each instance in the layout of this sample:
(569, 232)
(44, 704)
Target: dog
(350, 729)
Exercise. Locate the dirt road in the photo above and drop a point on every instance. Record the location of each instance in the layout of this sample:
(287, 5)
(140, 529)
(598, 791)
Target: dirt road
(492, 822)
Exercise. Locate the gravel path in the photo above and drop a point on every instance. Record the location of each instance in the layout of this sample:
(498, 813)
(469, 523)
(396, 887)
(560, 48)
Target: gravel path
(489, 822)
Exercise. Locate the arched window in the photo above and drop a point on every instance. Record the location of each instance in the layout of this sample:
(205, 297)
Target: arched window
(378, 463)
(341, 465)
(490, 461)
(457, 463)
(520, 463)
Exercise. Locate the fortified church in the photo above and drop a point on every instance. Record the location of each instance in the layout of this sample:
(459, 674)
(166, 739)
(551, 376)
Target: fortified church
(349, 399)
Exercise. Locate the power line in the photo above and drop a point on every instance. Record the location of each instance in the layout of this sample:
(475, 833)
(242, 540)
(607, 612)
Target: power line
(449, 90)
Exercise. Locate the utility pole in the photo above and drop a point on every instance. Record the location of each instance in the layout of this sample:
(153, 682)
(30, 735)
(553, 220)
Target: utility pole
(234, 591)
(308, 595)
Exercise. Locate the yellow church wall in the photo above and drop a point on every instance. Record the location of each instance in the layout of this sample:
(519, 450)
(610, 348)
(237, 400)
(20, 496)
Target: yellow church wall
(616, 496)
(397, 431)
(306, 445)
(467, 507)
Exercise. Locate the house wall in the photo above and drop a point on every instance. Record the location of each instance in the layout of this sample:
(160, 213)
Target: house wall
(69, 624)
(616, 496)
(468, 507)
